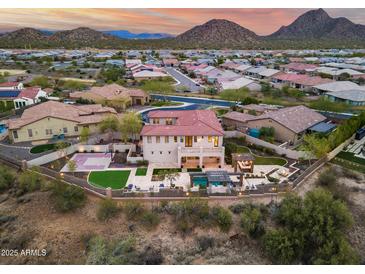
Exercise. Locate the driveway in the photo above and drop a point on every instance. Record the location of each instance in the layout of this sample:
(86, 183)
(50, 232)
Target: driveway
(183, 80)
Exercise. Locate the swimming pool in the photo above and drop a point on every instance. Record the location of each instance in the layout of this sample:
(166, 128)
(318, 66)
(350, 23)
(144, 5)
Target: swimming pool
(194, 100)
(3, 129)
(200, 181)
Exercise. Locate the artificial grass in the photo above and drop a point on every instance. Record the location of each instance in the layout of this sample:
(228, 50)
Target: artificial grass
(44, 148)
(351, 157)
(157, 171)
(141, 171)
(260, 160)
(348, 164)
(115, 179)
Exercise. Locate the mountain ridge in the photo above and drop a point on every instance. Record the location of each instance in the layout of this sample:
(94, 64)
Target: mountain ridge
(313, 29)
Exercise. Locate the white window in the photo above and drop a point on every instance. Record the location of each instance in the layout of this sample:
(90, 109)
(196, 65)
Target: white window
(76, 128)
(166, 139)
(65, 130)
(30, 133)
(149, 139)
(157, 139)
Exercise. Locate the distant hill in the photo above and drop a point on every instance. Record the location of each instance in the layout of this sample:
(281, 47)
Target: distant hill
(313, 29)
(317, 24)
(125, 34)
(218, 33)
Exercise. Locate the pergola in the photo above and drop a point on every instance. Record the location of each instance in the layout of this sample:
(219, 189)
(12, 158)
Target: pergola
(243, 162)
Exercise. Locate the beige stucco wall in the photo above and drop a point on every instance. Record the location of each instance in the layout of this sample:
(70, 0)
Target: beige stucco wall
(167, 152)
(282, 133)
(39, 129)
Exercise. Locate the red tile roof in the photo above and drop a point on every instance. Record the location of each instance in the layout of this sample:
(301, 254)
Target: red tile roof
(9, 84)
(188, 123)
(299, 66)
(30, 93)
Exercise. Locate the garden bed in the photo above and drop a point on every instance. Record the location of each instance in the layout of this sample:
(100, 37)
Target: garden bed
(141, 171)
(43, 148)
(157, 171)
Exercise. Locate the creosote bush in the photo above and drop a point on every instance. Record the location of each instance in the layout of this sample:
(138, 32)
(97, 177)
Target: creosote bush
(150, 219)
(67, 197)
(7, 179)
(107, 209)
(222, 217)
(133, 210)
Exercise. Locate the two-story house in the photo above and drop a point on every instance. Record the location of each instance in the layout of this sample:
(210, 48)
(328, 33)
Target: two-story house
(187, 138)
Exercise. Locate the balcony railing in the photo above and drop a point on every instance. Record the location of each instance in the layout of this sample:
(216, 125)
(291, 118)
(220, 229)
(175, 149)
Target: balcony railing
(203, 150)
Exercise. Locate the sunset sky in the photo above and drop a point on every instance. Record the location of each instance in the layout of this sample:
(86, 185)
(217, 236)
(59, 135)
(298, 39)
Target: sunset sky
(174, 21)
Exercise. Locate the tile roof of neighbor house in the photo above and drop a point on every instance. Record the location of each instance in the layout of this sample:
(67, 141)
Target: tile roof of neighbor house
(239, 116)
(301, 79)
(269, 72)
(243, 67)
(337, 86)
(108, 92)
(9, 84)
(235, 83)
(147, 73)
(299, 66)
(297, 118)
(30, 93)
(83, 114)
(355, 95)
(188, 123)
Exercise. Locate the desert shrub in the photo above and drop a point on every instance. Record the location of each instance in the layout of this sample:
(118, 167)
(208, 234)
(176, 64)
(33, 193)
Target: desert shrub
(313, 231)
(194, 210)
(348, 173)
(30, 181)
(107, 209)
(279, 247)
(252, 222)
(223, 218)
(205, 242)
(6, 179)
(150, 219)
(67, 197)
(327, 178)
(102, 252)
(133, 210)
(237, 208)
(150, 256)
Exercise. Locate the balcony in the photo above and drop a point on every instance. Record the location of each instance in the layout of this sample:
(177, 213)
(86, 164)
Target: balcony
(201, 151)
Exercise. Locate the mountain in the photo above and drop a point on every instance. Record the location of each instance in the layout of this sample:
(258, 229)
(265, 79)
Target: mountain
(82, 37)
(125, 34)
(218, 33)
(312, 30)
(22, 36)
(317, 24)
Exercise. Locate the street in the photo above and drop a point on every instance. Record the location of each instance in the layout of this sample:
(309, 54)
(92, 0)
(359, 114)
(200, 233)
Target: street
(183, 80)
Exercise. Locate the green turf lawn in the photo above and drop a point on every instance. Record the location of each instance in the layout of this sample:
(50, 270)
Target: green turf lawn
(115, 179)
(44, 148)
(351, 157)
(141, 171)
(260, 160)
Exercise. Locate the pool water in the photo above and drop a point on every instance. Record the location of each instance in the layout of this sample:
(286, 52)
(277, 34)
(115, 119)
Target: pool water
(2, 129)
(200, 181)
